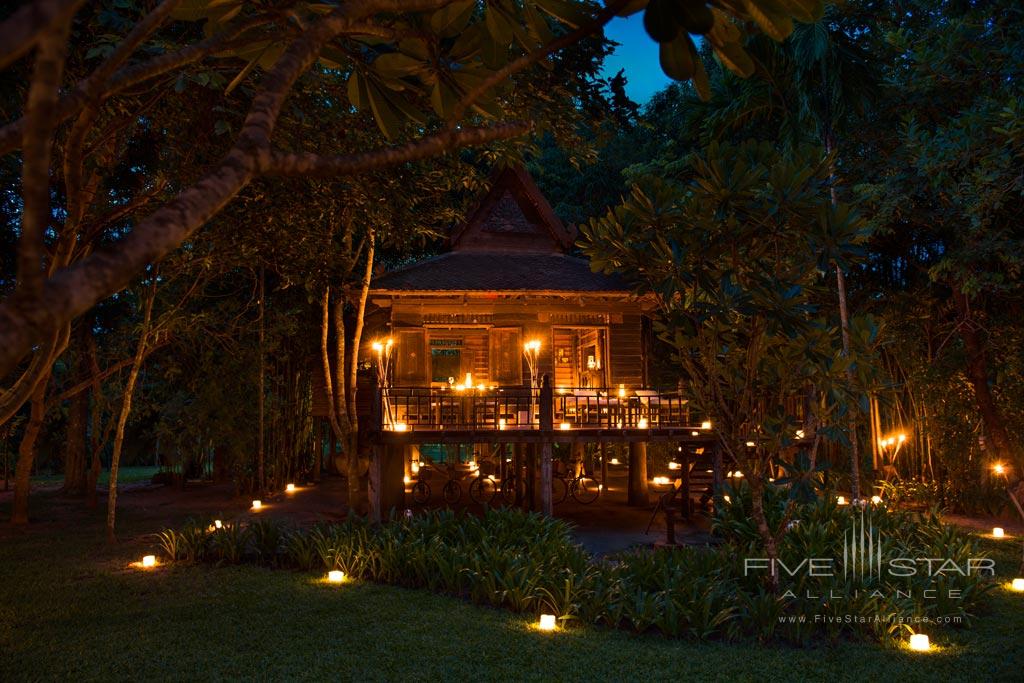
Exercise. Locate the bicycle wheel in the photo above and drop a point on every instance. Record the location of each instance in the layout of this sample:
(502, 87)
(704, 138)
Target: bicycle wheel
(585, 490)
(452, 492)
(509, 488)
(559, 490)
(483, 489)
(421, 492)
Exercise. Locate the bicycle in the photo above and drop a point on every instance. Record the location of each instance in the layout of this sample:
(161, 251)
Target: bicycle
(485, 488)
(581, 488)
(451, 491)
(584, 490)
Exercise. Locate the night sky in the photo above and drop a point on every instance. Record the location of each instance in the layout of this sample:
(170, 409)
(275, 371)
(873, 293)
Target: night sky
(638, 55)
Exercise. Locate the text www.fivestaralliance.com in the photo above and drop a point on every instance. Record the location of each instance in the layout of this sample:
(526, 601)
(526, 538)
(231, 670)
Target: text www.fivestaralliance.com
(866, 619)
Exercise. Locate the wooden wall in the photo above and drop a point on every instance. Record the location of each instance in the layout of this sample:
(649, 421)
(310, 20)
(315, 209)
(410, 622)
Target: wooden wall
(553, 324)
(627, 353)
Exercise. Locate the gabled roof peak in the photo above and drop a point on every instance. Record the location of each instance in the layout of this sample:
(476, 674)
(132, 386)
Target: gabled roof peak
(512, 216)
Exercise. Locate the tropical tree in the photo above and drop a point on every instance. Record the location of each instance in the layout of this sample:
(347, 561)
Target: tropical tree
(730, 252)
(940, 175)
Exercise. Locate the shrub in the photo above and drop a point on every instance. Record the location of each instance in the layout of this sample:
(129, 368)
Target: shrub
(528, 563)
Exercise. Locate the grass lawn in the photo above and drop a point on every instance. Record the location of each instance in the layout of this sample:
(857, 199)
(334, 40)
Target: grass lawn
(71, 609)
(125, 475)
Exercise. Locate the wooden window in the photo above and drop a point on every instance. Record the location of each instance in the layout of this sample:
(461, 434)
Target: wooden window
(411, 357)
(506, 357)
(446, 360)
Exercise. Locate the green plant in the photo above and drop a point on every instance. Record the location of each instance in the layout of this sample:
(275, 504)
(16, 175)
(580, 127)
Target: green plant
(267, 535)
(192, 540)
(231, 542)
(171, 544)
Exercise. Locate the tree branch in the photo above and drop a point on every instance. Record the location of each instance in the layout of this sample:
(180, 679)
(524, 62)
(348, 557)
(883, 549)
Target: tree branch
(516, 65)
(23, 29)
(73, 102)
(38, 145)
(75, 289)
(306, 164)
(99, 375)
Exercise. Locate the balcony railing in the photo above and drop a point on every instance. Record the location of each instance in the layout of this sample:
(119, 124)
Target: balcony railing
(405, 409)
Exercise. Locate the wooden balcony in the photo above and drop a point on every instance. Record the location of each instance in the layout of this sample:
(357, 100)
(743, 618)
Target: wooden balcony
(522, 414)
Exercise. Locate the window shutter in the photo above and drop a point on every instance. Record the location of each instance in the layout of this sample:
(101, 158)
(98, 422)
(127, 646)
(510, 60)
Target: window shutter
(506, 361)
(411, 357)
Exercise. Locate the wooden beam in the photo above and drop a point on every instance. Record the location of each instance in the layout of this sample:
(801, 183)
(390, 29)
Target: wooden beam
(546, 426)
(637, 487)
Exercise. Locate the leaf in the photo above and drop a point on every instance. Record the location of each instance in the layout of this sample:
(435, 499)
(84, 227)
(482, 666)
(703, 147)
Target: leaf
(700, 80)
(807, 11)
(498, 25)
(735, 59)
(356, 89)
(776, 26)
(241, 75)
(442, 98)
(538, 25)
(332, 57)
(567, 12)
(677, 58)
(450, 20)
(197, 10)
(388, 112)
(396, 65)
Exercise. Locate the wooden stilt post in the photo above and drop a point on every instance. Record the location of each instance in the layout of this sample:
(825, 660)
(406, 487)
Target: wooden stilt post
(604, 466)
(376, 483)
(716, 468)
(531, 476)
(517, 472)
(637, 494)
(684, 485)
(387, 480)
(332, 445)
(546, 428)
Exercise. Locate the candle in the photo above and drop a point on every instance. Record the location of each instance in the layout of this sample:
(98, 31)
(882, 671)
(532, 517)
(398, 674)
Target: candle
(919, 642)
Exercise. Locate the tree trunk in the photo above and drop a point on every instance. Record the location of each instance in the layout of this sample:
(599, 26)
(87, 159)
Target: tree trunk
(764, 531)
(637, 493)
(98, 436)
(27, 453)
(76, 449)
(260, 456)
(844, 324)
(357, 333)
(996, 433)
(844, 321)
(122, 418)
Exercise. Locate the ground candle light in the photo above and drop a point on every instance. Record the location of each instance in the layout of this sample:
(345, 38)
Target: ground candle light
(1018, 585)
(335, 576)
(149, 561)
(257, 504)
(547, 622)
(998, 532)
(919, 642)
